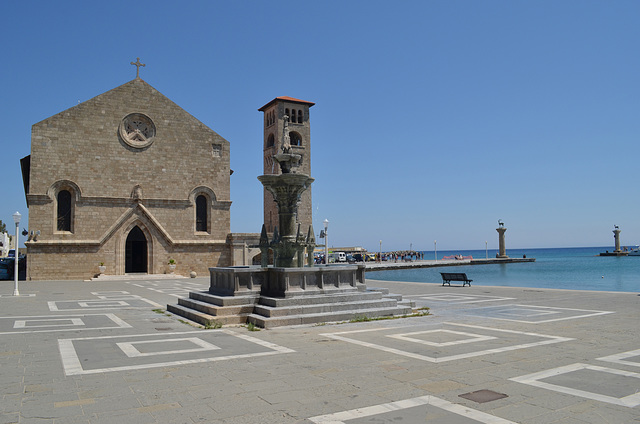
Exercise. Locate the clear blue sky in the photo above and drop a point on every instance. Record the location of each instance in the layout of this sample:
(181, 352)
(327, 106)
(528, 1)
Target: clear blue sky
(433, 119)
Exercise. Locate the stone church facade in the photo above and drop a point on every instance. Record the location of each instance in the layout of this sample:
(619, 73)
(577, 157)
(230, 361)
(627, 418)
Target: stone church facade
(131, 180)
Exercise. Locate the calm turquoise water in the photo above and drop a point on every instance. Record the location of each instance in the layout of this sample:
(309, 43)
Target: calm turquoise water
(566, 268)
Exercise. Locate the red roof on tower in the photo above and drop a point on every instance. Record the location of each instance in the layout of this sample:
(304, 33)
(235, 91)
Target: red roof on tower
(287, 99)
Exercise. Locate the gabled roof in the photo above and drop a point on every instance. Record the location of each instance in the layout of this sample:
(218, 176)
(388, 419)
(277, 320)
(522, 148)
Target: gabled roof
(286, 99)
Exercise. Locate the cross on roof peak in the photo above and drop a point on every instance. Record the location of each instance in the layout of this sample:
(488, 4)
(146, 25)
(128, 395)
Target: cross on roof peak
(137, 64)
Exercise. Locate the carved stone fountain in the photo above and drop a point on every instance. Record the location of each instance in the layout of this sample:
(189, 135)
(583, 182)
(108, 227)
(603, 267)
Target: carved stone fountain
(288, 292)
(288, 244)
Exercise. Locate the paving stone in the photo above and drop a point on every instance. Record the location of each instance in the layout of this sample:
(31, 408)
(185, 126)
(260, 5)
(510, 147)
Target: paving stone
(9, 418)
(322, 376)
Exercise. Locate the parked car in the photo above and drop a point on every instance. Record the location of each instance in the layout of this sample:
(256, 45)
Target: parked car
(7, 267)
(4, 270)
(337, 257)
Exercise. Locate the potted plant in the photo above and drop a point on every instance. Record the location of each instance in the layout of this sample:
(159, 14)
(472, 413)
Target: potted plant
(172, 265)
(102, 268)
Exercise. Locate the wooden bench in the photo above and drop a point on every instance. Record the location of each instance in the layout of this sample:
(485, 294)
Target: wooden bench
(447, 277)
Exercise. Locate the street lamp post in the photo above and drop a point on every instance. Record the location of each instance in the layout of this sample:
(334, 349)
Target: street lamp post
(326, 241)
(486, 249)
(16, 219)
(380, 251)
(435, 248)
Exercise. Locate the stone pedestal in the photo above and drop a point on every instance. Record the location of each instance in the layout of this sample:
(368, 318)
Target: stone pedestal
(274, 296)
(616, 236)
(502, 250)
(286, 282)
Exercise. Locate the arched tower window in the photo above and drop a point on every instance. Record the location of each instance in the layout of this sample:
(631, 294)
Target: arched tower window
(299, 117)
(271, 141)
(286, 112)
(293, 116)
(202, 212)
(296, 139)
(63, 213)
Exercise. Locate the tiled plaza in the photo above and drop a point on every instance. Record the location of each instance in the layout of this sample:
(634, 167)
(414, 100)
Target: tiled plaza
(107, 352)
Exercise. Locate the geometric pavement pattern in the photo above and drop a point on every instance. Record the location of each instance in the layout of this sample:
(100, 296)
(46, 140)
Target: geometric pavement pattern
(417, 410)
(447, 342)
(41, 324)
(91, 355)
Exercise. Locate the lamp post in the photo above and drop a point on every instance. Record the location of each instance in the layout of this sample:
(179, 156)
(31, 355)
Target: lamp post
(16, 219)
(326, 241)
(435, 248)
(380, 251)
(486, 249)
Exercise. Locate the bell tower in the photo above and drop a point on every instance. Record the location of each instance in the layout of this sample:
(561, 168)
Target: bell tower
(296, 113)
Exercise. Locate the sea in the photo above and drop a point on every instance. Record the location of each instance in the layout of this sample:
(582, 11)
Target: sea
(577, 268)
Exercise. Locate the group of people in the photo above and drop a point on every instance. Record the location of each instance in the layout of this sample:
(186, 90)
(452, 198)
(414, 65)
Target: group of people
(403, 256)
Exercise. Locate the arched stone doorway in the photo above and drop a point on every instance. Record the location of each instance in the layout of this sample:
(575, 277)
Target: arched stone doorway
(136, 251)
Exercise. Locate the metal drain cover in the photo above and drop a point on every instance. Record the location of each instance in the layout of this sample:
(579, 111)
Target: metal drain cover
(483, 396)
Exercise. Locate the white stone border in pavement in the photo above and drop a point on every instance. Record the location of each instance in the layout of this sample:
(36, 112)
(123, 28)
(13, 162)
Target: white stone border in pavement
(591, 313)
(471, 338)
(179, 289)
(534, 380)
(619, 358)
(21, 322)
(341, 417)
(19, 296)
(130, 350)
(99, 304)
(458, 299)
(549, 340)
(73, 366)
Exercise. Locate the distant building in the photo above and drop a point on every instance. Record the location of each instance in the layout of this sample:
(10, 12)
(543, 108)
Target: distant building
(4, 244)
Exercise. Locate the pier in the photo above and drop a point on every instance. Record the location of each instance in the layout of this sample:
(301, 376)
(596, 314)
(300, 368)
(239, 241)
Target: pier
(389, 265)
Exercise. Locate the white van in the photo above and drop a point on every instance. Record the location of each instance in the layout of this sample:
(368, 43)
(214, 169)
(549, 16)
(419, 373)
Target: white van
(337, 257)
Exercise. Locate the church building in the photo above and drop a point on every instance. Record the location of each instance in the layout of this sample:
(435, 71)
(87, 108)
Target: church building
(129, 182)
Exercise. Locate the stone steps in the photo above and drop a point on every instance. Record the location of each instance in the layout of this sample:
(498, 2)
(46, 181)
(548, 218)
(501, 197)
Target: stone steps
(214, 299)
(215, 310)
(203, 318)
(323, 308)
(301, 319)
(296, 308)
(316, 299)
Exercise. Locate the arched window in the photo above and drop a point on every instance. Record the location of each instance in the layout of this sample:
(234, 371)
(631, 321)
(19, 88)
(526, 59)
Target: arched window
(293, 116)
(299, 117)
(201, 213)
(63, 215)
(295, 138)
(286, 112)
(271, 141)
